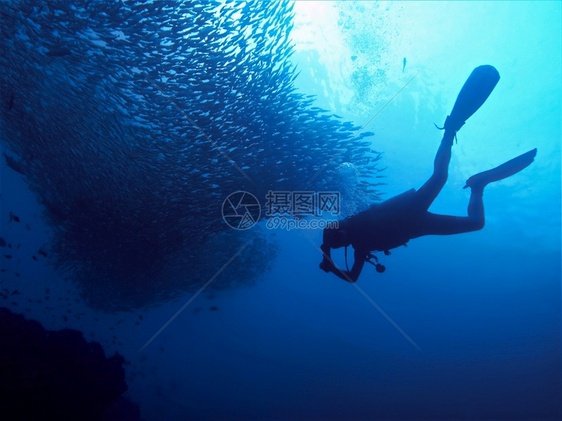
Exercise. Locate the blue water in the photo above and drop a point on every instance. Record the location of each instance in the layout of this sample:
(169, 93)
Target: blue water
(458, 327)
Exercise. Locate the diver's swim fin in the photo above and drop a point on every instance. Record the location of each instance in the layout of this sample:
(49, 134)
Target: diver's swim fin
(473, 94)
(505, 170)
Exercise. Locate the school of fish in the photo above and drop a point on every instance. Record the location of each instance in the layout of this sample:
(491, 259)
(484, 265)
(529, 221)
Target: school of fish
(133, 120)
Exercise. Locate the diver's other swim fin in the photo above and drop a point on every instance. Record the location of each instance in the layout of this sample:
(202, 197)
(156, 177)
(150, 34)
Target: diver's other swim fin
(507, 169)
(473, 94)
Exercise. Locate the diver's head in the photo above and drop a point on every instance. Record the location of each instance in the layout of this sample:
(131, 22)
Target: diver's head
(335, 238)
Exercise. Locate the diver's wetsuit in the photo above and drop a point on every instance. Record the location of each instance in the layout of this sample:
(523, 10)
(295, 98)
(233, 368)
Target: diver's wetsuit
(395, 221)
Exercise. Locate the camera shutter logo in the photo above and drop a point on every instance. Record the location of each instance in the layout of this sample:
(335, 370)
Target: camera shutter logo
(241, 210)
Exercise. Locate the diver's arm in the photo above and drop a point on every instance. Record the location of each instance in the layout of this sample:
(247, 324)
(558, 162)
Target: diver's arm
(359, 261)
(352, 275)
(328, 265)
(343, 274)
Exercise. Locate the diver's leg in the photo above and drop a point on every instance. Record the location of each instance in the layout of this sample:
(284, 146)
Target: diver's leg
(432, 224)
(429, 191)
(473, 94)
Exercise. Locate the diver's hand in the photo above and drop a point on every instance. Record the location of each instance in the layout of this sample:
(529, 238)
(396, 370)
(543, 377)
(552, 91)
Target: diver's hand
(346, 276)
(327, 266)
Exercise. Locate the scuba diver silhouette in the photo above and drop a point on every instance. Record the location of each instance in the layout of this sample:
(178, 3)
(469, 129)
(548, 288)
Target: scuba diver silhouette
(394, 222)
